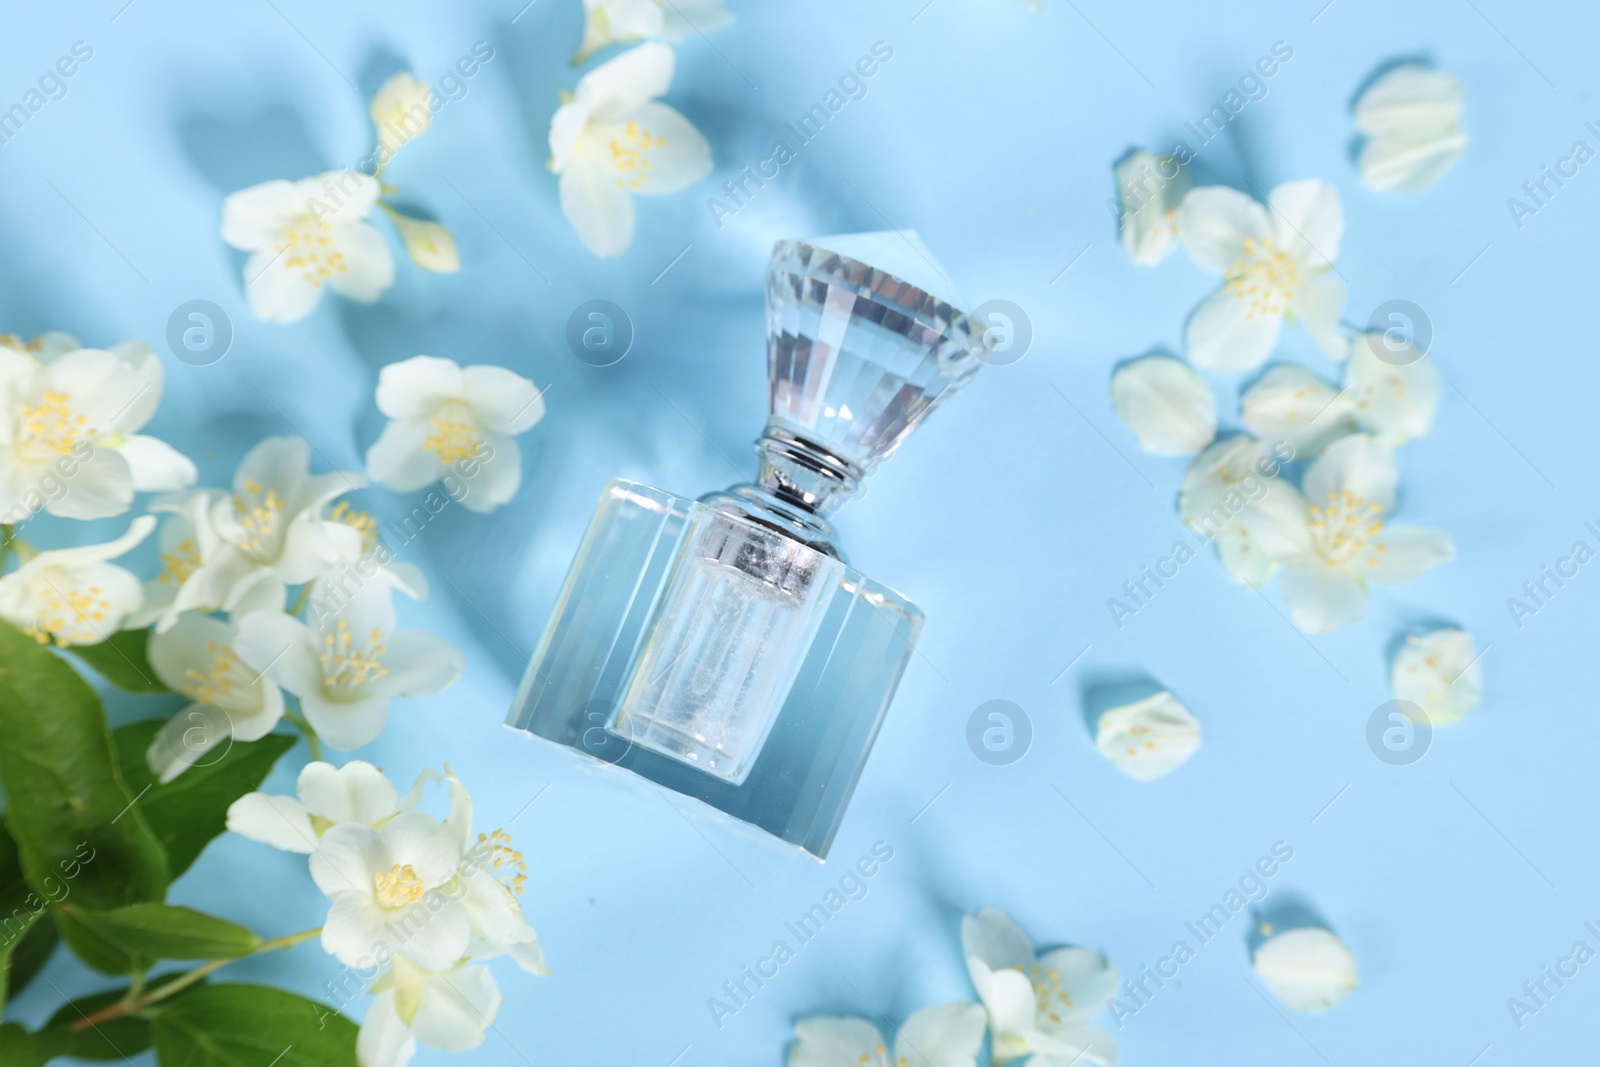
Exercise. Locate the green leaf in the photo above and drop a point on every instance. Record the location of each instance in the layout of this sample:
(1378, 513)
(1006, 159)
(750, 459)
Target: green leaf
(123, 660)
(31, 952)
(187, 812)
(90, 947)
(110, 1039)
(166, 932)
(73, 819)
(18, 1048)
(249, 1026)
(25, 942)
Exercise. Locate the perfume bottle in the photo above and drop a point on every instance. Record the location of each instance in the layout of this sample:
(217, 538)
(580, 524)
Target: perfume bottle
(722, 647)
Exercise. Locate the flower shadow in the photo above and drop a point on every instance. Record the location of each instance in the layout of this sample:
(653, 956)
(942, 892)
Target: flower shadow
(1101, 691)
(1284, 911)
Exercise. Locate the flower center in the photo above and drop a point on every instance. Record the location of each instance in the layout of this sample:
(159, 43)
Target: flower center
(502, 860)
(179, 564)
(225, 675)
(360, 521)
(307, 248)
(346, 668)
(630, 152)
(397, 887)
(258, 514)
(455, 433)
(50, 428)
(1343, 529)
(64, 616)
(1049, 998)
(1264, 277)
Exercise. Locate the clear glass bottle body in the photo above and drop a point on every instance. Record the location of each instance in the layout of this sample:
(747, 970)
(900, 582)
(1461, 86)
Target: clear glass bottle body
(718, 656)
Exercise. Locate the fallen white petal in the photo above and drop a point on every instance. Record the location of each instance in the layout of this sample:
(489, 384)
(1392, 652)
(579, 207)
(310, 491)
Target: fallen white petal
(1411, 117)
(1309, 969)
(1166, 404)
(1148, 738)
(1439, 673)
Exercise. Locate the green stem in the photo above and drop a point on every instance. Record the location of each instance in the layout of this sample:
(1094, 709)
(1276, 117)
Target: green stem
(301, 600)
(310, 732)
(138, 1002)
(6, 534)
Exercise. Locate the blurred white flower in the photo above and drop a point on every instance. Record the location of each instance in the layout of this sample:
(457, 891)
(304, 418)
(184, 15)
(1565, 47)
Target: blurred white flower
(1149, 189)
(72, 596)
(1038, 1005)
(400, 111)
(1342, 541)
(304, 235)
(612, 141)
(608, 22)
(1167, 405)
(349, 664)
(1411, 118)
(447, 1010)
(446, 417)
(239, 552)
(1148, 738)
(385, 888)
(1438, 672)
(372, 554)
(195, 657)
(1275, 266)
(1308, 969)
(325, 797)
(1393, 395)
(946, 1035)
(491, 873)
(69, 422)
(1233, 496)
(43, 347)
(429, 244)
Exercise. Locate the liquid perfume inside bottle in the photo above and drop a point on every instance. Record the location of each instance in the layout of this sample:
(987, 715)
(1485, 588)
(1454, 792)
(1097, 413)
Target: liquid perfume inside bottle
(722, 647)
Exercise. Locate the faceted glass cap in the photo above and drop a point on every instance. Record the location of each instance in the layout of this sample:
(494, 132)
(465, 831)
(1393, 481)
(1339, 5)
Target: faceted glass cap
(860, 350)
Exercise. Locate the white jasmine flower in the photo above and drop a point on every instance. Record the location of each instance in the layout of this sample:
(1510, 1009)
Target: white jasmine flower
(1438, 672)
(400, 111)
(1166, 405)
(1038, 1005)
(445, 416)
(491, 873)
(1276, 267)
(304, 235)
(325, 797)
(195, 657)
(1308, 969)
(349, 664)
(69, 422)
(1411, 118)
(1395, 399)
(1290, 403)
(386, 886)
(608, 22)
(613, 141)
(72, 596)
(1343, 542)
(1148, 738)
(1233, 496)
(946, 1035)
(373, 554)
(446, 1010)
(1150, 188)
(42, 346)
(239, 552)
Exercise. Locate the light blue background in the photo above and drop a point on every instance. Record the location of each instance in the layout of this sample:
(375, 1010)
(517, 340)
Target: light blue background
(1010, 519)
